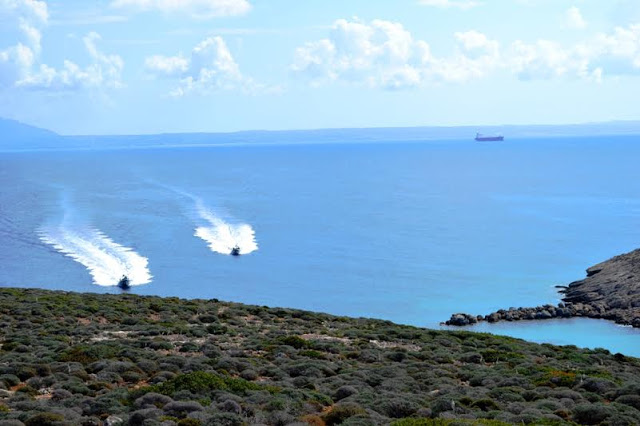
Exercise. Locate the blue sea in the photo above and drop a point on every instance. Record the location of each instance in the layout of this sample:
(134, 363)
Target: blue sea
(410, 231)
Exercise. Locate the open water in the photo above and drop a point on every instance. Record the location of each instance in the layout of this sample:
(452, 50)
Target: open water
(406, 231)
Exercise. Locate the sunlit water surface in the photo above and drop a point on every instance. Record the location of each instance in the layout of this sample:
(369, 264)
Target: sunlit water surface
(410, 232)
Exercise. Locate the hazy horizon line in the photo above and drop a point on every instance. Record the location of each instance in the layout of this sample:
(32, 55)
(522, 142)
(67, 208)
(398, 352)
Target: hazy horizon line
(347, 128)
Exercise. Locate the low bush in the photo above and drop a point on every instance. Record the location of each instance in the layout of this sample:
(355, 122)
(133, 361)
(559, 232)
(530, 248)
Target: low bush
(45, 419)
(341, 412)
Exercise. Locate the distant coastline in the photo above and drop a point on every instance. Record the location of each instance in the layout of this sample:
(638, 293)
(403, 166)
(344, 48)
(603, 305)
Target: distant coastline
(611, 291)
(16, 136)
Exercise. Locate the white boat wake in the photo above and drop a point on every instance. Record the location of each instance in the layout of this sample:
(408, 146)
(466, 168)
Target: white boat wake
(222, 236)
(106, 260)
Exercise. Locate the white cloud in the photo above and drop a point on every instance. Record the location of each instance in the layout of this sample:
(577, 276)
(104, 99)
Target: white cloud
(447, 4)
(32, 34)
(15, 63)
(384, 54)
(168, 66)
(545, 59)
(574, 19)
(199, 9)
(31, 10)
(618, 52)
(28, 16)
(84, 18)
(20, 66)
(104, 71)
(211, 67)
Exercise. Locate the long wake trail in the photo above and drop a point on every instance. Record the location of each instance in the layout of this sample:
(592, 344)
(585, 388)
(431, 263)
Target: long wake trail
(220, 235)
(106, 260)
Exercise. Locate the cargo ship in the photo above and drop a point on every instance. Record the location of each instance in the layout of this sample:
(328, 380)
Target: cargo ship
(485, 138)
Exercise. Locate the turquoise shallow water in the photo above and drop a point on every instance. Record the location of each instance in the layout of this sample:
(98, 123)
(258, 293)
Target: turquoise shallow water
(410, 232)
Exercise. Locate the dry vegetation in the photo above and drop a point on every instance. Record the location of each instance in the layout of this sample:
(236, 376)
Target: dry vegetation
(86, 359)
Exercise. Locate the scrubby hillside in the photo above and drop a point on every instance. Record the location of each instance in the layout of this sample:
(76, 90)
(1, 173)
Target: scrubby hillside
(121, 359)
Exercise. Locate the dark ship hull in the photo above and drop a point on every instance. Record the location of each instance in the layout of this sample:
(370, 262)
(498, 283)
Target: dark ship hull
(481, 138)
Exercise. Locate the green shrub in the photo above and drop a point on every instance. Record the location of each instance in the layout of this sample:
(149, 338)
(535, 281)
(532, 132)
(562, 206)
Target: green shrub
(200, 381)
(449, 422)
(224, 419)
(492, 355)
(294, 341)
(485, 405)
(10, 379)
(630, 400)
(554, 378)
(189, 422)
(397, 408)
(28, 390)
(86, 354)
(44, 419)
(312, 354)
(339, 413)
(591, 414)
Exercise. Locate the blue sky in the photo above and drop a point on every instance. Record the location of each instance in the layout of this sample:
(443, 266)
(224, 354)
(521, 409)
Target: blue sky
(149, 66)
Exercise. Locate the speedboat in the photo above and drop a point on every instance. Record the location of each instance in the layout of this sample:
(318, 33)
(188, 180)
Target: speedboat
(235, 251)
(124, 283)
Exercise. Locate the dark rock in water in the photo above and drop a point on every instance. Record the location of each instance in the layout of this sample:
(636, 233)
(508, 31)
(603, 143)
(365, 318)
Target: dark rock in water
(462, 320)
(494, 317)
(610, 291)
(543, 314)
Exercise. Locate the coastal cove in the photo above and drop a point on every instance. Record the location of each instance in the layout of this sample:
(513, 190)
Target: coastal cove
(581, 332)
(404, 231)
(610, 291)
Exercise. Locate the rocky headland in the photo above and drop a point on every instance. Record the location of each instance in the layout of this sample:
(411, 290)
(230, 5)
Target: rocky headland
(610, 291)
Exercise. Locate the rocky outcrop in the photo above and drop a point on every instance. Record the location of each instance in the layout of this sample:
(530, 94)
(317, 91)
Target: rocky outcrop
(611, 291)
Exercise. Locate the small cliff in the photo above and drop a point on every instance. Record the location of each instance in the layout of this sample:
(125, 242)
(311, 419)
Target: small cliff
(610, 291)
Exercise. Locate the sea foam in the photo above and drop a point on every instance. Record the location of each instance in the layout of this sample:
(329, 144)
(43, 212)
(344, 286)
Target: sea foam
(106, 260)
(222, 236)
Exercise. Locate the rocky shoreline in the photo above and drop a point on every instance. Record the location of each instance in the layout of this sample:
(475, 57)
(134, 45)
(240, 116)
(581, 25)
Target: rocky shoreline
(611, 291)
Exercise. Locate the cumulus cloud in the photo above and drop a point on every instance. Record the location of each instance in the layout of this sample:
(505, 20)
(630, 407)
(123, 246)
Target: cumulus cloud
(210, 67)
(199, 9)
(20, 65)
(15, 63)
(28, 16)
(447, 4)
(104, 71)
(574, 19)
(616, 53)
(384, 54)
(167, 66)
(546, 59)
(32, 10)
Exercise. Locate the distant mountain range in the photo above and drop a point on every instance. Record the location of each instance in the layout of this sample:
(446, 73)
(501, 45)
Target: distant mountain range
(16, 136)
